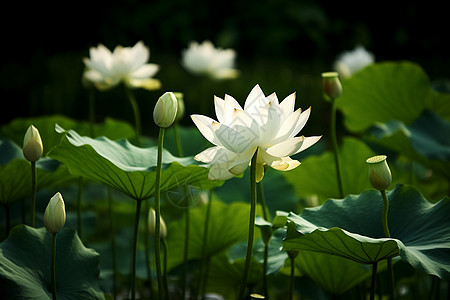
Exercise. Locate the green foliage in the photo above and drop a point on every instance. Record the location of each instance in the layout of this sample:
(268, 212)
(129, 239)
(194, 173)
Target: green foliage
(383, 92)
(125, 167)
(316, 176)
(351, 228)
(389, 108)
(25, 266)
(15, 174)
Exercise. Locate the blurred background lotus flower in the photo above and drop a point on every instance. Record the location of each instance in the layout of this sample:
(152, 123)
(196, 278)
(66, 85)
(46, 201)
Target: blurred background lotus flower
(205, 59)
(106, 69)
(263, 125)
(152, 224)
(351, 62)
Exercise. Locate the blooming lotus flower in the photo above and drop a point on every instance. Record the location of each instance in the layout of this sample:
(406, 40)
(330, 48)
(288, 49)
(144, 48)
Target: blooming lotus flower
(263, 125)
(205, 59)
(106, 69)
(350, 62)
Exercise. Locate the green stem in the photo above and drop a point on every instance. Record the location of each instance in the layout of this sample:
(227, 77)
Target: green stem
(33, 194)
(374, 276)
(113, 242)
(79, 196)
(385, 214)
(265, 263)
(53, 266)
(262, 199)
(388, 235)
(251, 226)
(176, 130)
(147, 250)
(335, 148)
(166, 285)
(158, 213)
(135, 238)
(137, 116)
(205, 281)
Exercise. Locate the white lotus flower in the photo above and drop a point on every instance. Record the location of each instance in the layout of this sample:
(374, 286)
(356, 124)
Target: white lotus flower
(263, 125)
(205, 59)
(351, 62)
(129, 65)
(55, 214)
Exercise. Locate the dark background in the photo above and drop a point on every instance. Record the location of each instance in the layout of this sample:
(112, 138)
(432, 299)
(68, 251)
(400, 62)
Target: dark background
(282, 45)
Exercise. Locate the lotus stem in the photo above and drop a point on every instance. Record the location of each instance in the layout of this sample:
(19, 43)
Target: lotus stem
(251, 226)
(373, 280)
(262, 199)
(265, 263)
(388, 235)
(53, 266)
(137, 117)
(158, 213)
(135, 238)
(335, 148)
(33, 194)
(147, 250)
(166, 285)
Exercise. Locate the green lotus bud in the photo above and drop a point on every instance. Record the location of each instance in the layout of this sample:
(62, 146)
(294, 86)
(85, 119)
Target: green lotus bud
(180, 106)
(379, 173)
(32, 144)
(165, 110)
(331, 84)
(152, 224)
(55, 214)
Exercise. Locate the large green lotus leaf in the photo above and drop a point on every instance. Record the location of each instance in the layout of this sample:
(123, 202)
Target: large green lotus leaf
(228, 225)
(334, 273)
(317, 174)
(426, 140)
(16, 129)
(383, 92)
(25, 258)
(125, 167)
(439, 103)
(225, 276)
(15, 173)
(352, 229)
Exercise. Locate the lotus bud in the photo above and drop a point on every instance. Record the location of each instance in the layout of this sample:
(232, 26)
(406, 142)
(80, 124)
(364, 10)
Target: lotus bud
(379, 173)
(180, 106)
(331, 84)
(165, 110)
(32, 144)
(55, 214)
(152, 224)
